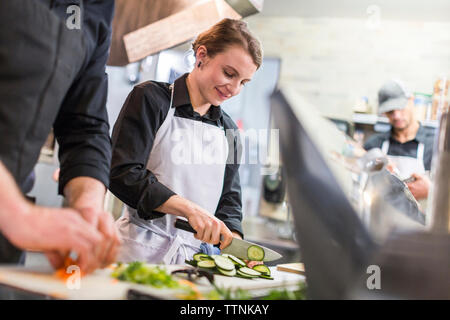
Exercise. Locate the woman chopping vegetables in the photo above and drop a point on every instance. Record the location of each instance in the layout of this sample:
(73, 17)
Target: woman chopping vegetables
(173, 156)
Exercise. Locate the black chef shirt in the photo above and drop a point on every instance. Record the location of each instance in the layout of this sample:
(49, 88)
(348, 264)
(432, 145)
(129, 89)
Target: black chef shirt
(39, 61)
(141, 116)
(407, 149)
(80, 123)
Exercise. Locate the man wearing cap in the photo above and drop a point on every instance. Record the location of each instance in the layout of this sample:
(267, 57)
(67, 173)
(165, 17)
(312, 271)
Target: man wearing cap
(408, 145)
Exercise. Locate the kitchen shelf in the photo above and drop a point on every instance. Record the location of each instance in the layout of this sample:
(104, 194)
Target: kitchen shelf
(372, 119)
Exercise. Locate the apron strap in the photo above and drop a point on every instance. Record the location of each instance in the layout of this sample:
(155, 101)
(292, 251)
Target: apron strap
(385, 146)
(175, 246)
(421, 152)
(176, 242)
(171, 88)
(166, 124)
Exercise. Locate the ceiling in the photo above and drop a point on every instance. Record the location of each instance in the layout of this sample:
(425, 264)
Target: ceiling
(411, 10)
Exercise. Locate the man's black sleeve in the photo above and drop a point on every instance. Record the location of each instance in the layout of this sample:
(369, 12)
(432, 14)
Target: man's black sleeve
(229, 209)
(134, 133)
(81, 127)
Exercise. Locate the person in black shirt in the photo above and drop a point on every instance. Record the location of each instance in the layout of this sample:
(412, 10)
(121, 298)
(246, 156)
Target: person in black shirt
(52, 73)
(409, 146)
(176, 152)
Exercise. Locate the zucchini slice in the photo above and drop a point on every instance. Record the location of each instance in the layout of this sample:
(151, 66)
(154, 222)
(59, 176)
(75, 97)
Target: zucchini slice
(224, 263)
(244, 275)
(255, 253)
(206, 264)
(266, 277)
(236, 260)
(263, 269)
(227, 272)
(200, 256)
(250, 272)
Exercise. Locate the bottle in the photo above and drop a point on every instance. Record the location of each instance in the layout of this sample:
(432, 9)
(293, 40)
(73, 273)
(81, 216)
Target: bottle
(420, 105)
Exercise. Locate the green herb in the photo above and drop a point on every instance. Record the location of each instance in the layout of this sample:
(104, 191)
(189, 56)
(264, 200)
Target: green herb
(138, 272)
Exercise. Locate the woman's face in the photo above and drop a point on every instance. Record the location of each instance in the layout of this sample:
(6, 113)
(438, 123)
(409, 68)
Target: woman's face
(224, 75)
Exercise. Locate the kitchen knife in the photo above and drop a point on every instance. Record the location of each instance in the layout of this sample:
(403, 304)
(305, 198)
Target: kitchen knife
(237, 246)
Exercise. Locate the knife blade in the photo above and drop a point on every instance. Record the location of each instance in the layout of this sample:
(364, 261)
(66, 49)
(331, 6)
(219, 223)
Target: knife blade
(237, 246)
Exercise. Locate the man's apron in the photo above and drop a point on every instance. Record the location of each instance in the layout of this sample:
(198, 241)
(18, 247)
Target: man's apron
(408, 165)
(188, 157)
(39, 59)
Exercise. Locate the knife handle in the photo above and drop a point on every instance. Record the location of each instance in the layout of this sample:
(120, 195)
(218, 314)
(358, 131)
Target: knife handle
(184, 225)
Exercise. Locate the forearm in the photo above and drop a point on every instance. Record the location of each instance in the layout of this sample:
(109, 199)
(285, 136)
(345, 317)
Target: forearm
(84, 192)
(178, 206)
(11, 200)
(87, 195)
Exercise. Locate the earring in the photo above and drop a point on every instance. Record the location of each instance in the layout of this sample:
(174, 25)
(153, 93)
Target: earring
(199, 64)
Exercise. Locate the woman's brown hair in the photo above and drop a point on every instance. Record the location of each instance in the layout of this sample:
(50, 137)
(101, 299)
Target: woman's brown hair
(226, 33)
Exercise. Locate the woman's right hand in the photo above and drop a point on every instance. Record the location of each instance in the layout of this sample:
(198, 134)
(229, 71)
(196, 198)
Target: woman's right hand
(51, 229)
(209, 229)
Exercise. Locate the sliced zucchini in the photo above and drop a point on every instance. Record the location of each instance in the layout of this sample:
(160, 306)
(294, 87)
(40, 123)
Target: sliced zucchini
(250, 272)
(224, 263)
(266, 277)
(227, 272)
(206, 264)
(236, 260)
(255, 253)
(244, 275)
(263, 269)
(200, 256)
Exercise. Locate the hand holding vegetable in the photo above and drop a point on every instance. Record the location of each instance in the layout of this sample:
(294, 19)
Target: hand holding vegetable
(32, 227)
(86, 195)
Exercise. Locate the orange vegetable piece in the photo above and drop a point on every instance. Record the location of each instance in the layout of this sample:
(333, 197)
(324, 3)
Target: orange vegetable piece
(197, 294)
(62, 272)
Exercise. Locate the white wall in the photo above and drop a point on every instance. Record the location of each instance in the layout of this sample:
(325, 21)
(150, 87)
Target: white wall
(334, 61)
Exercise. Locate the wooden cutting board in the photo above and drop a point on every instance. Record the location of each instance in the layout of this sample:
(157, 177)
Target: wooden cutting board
(100, 285)
(297, 268)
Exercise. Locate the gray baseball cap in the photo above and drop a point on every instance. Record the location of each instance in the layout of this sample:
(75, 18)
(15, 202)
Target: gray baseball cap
(393, 95)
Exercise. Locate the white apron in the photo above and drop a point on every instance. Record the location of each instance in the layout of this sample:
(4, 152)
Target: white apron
(188, 157)
(407, 165)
